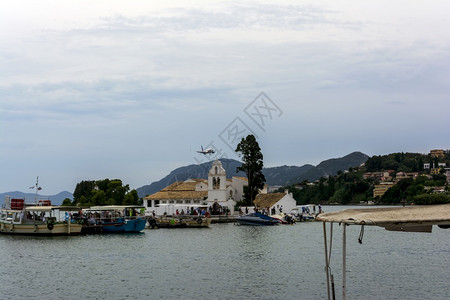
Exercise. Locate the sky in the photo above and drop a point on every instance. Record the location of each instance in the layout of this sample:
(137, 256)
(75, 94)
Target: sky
(132, 89)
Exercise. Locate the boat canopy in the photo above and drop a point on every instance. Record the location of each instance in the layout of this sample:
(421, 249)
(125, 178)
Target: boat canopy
(184, 205)
(41, 208)
(114, 207)
(412, 218)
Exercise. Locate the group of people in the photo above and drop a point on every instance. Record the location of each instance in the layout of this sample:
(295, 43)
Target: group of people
(191, 211)
(273, 211)
(264, 210)
(199, 211)
(306, 210)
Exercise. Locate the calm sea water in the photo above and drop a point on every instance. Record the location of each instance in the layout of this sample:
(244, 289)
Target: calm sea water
(226, 262)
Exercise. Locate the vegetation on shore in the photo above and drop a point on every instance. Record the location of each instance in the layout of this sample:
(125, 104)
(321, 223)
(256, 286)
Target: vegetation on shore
(351, 187)
(103, 192)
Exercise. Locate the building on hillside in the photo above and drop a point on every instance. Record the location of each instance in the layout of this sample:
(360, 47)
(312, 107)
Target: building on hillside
(380, 189)
(437, 153)
(433, 166)
(381, 176)
(217, 194)
(283, 201)
(412, 174)
(435, 171)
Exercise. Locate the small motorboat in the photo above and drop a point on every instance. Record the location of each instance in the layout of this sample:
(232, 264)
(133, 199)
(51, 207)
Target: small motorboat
(257, 219)
(284, 218)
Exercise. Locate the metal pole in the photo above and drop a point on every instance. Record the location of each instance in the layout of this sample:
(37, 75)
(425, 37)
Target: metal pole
(327, 263)
(344, 253)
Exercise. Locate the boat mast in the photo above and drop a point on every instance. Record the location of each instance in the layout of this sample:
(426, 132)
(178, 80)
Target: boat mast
(37, 188)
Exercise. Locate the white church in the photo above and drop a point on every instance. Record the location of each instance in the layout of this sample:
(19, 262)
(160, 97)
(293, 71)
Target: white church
(217, 194)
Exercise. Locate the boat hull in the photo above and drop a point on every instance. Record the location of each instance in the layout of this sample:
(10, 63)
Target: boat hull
(57, 229)
(256, 223)
(257, 219)
(125, 226)
(167, 222)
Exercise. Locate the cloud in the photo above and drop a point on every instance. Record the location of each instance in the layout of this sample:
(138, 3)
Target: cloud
(132, 89)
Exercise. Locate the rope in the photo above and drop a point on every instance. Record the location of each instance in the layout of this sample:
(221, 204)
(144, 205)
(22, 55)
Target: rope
(361, 234)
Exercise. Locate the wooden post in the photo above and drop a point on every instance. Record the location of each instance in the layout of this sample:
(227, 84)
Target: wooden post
(344, 254)
(327, 263)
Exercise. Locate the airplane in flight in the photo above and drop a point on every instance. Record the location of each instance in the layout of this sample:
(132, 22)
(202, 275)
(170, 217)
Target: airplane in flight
(207, 151)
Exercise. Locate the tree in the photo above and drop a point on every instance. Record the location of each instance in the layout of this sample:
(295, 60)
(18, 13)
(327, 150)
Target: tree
(131, 198)
(99, 197)
(66, 202)
(83, 190)
(101, 192)
(252, 166)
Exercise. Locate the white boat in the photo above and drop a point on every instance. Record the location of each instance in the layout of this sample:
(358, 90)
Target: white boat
(20, 219)
(285, 218)
(305, 212)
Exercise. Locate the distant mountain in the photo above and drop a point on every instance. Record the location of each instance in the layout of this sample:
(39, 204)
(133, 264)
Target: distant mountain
(330, 167)
(30, 197)
(284, 175)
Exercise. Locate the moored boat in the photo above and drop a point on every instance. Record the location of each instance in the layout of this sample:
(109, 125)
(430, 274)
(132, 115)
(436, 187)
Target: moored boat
(180, 221)
(17, 218)
(114, 219)
(305, 212)
(284, 218)
(257, 219)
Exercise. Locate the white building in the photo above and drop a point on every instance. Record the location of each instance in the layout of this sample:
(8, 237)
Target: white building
(217, 193)
(277, 201)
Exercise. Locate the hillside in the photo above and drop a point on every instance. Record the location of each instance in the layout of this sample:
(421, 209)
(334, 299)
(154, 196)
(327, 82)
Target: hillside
(283, 175)
(409, 182)
(330, 167)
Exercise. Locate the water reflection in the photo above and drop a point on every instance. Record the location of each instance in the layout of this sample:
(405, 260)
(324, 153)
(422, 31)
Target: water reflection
(224, 262)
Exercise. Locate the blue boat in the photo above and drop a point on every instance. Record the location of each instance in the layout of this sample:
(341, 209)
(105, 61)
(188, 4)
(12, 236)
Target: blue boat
(114, 219)
(257, 219)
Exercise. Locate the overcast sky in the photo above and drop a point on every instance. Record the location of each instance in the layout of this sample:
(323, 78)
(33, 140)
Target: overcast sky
(131, 89)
